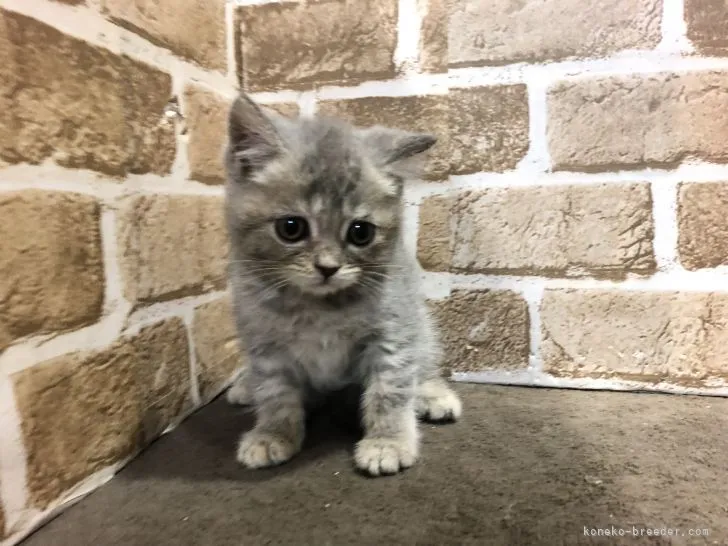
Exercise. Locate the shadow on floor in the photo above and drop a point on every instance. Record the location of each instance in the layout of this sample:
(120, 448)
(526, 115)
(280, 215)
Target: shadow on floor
(524, 467)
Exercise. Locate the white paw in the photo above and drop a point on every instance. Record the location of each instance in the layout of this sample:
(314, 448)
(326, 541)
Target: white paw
(239, 393)
(437, 402)
(261, 449)
(378, 456)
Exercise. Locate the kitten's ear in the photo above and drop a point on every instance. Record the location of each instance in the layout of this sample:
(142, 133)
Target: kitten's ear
(399, 152)
(253, 140)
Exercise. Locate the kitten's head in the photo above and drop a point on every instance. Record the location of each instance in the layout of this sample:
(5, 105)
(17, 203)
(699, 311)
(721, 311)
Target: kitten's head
(315, 203)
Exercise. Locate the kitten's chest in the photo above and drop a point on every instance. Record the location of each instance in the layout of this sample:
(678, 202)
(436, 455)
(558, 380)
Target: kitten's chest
(322, 347)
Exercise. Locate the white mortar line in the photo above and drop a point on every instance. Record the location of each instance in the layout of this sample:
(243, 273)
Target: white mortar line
(307, 104)
(261, 2)
(40, 348)
(528, 378)
(231, 46)
(13, 469)
(409, 85)
(93, 189)
(410, 226)
(690, 171)
(188, 318)
(51, 177)
(278, 97)
(703, 281)
(674, 28)
(114, 300)
(624, 64)
(89, 25)
(664, 212)
(181, 165)
(533, 294)
(436, 286)
(169, 186)
(537, 159)
(407, 52)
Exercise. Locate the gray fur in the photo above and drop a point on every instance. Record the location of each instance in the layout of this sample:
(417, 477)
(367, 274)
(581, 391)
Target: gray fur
(368, 324)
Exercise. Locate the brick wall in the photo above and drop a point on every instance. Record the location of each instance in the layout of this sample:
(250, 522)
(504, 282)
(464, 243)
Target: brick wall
(571, 223)
(115, 320)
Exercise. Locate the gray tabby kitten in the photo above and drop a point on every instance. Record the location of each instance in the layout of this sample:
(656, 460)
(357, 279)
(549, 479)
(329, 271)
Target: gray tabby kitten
(325, 294)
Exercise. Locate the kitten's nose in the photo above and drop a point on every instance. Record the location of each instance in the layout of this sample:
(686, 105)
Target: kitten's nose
(327, 271)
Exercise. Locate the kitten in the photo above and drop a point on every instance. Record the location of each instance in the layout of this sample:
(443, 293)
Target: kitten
(325, 294)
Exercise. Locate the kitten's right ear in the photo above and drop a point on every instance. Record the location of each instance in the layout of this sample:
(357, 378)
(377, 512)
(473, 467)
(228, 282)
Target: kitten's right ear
(253, 139)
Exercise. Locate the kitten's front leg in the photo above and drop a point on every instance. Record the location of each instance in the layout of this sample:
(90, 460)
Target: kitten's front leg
(391, 439)
(280, 421)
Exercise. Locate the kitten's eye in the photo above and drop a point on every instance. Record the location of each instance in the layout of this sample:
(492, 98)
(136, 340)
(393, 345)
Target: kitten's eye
(292, 229)
(360, 233)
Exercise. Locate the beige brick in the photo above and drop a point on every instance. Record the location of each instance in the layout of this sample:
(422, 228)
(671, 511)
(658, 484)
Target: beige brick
(707, 22)
(51, 269)
(433, 35)
(703, 225)
(216, 345)
(194, 29)
(436, 223)
(604, 230)
(478, 129)
(332, 42)
(483, 330)
(84, 411)
(171, 246)
(413, 113)
(489, 128)
(108, 118)
(628, 121)
(504, 31)
(650, 336)
(206, 114)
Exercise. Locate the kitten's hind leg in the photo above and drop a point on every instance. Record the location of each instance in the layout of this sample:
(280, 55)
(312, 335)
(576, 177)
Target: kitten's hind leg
(239, 392)
(437, 402)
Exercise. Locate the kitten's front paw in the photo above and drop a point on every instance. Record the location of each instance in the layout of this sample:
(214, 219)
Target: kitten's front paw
(378, 456)
(437, 402)
(262, 449)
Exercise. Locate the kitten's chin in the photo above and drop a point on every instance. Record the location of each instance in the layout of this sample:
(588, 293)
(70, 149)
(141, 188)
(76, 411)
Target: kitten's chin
(323, 289)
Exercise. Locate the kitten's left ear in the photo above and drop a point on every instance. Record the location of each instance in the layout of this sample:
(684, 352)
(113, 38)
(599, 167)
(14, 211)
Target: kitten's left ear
(253, 139)
(399, 152)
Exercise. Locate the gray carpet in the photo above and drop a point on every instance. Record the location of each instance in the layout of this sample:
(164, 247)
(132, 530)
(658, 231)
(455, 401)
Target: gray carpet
(524, 467)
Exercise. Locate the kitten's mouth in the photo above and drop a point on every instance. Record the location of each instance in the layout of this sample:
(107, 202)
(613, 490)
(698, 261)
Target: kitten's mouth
(325, 286)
